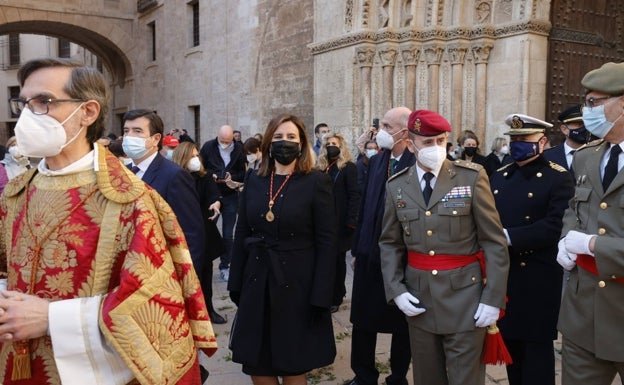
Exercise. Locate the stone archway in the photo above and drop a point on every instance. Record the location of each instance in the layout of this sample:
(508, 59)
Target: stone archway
(105, 31)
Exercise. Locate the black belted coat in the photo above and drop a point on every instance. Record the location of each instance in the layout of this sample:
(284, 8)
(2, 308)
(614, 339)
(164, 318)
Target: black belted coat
(283, 273)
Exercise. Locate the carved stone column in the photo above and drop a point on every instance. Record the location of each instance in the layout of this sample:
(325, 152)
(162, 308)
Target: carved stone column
(364, 57)
(410, 55)
(433, 54)
(457, 54)
(388, 58)
(481, 52)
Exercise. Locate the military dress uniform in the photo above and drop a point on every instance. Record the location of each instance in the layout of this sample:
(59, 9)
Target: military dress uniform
(458, 223)
(592, 309)
(530, 200)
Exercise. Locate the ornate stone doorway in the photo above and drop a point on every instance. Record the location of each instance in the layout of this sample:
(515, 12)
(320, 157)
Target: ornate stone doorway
(585, 34)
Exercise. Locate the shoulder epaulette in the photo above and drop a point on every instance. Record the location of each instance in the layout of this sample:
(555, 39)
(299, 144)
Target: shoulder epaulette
(504, 167)
(557, 166)
(593, 143)
(468, 165)
(398, 173)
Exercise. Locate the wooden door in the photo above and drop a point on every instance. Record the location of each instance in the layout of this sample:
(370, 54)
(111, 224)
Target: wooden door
(585, 35)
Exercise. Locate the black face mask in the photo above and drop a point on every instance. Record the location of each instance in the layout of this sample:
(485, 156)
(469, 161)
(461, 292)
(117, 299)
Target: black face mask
(470, 151)
(579, 135)
(333, 152)
(284, 151)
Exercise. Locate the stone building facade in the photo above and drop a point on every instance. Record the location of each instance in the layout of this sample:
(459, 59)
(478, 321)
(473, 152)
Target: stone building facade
(204, 63)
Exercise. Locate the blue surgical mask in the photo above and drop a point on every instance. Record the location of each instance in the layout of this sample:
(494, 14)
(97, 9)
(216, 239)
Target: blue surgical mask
(596, 122)
(134, 147)
(169, 154)
(370, 152)
(523, 150)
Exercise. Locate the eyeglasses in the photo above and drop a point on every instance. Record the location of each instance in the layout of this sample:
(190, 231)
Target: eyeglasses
(591, 102)
(38, 105)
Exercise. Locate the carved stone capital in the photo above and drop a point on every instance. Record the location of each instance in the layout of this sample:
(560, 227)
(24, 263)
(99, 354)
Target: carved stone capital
(365, 56)
(481, 52)
(388, 56)
(457, 53)
(433, 54)
(411, 56)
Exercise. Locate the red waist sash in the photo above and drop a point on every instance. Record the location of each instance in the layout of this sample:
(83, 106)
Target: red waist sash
(442, 261)
(588, 263)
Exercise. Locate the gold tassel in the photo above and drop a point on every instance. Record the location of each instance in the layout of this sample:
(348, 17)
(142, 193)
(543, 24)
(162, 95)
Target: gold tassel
(21, 361)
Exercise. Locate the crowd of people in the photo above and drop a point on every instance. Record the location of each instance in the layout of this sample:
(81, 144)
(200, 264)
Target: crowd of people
(109, 243)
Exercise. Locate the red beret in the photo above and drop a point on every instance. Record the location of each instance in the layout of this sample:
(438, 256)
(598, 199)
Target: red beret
(427, 123)
(170, 141)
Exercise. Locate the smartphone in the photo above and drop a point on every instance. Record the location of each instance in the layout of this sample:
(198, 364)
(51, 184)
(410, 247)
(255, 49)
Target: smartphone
(376, 123)
(222, 174)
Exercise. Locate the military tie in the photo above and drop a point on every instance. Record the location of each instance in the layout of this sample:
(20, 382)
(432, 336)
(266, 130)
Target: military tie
(612, 167)
(393, 165)
(428, 189)
(135, 169)
(570, 167)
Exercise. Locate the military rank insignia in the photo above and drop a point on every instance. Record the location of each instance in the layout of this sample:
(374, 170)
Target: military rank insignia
(400, 203)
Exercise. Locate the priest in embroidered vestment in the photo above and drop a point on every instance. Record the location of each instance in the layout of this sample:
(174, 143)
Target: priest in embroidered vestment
(98, 283)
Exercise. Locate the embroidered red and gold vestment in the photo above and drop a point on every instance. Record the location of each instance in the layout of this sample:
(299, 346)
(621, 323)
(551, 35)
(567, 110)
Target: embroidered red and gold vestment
(106, 233)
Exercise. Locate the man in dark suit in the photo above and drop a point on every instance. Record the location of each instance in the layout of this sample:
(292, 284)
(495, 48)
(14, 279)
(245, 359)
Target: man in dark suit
(576, 135)
(224, 160)
(591, 313)
(531, 195)
(370, 312)
(143, 133)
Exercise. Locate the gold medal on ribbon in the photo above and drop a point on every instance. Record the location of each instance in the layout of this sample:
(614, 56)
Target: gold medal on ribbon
(269, 216)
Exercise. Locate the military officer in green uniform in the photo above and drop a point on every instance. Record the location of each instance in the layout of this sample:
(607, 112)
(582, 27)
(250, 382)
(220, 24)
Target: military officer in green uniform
(592, 248)
(439, 225)
(531, 195)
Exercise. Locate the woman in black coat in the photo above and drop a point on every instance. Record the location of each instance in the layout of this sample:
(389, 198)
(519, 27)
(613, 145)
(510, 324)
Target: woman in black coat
(283, 262)
(498, 157)
(335, 160)
(470, 147)
(187, 156)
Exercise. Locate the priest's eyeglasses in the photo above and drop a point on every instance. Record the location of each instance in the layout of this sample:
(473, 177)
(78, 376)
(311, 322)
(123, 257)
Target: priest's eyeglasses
(39, 105)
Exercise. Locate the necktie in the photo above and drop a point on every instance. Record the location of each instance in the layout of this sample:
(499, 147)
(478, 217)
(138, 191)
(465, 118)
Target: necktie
(427, 190)
(393, 165)
(570, 165)
(612, 167)
(135, 169)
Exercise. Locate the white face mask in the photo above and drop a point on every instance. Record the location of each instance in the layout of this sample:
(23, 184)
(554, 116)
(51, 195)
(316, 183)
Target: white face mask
(252, 158)
(370, 152)
(596, 122)
(432, 157)
(224, 146)
(504, 150)
(194, 164)
(41, 135)
(134, 146)
(15, 152)
(386, 140)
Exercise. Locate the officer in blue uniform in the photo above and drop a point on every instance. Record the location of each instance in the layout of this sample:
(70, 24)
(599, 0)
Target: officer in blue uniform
(531, 195)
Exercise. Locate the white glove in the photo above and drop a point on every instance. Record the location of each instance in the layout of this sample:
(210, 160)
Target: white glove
(565, 259)
(507, 236)
(486, 315)
(406, 303)
(578, 243)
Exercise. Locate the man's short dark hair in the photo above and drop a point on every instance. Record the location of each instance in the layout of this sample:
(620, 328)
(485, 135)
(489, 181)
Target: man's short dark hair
(318, 127)
(156, 124)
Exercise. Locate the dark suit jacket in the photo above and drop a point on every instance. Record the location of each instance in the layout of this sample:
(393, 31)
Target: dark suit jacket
(214, 164)
(177, 187)
(347, 198)
(492, 163)
(369, 309)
